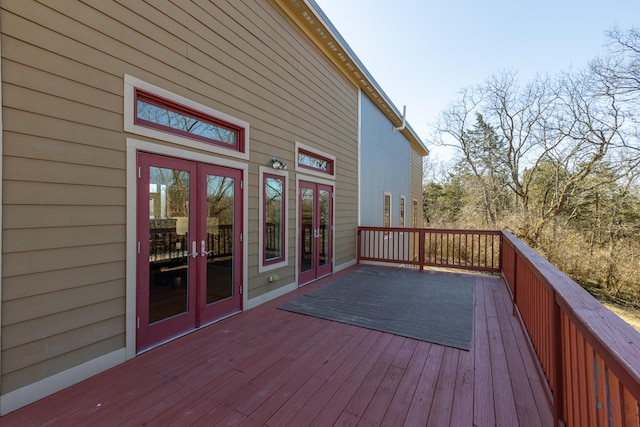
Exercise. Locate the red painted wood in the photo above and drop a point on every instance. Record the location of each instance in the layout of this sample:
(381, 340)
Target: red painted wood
(271, 367)
(425, 390)
(440, 412)
(483, 407)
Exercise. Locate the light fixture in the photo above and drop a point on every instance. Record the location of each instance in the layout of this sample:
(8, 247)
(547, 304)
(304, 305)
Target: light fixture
(277, 164)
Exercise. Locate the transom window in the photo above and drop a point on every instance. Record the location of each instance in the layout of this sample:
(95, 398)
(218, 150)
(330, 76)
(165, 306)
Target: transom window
(316, 162)
(162, 114)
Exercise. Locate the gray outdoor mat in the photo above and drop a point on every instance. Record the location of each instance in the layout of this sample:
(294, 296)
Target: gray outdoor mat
(436, 308)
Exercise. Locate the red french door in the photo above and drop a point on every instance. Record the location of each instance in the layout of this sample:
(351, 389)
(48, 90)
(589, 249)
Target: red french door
(315, 231)
(189, 269)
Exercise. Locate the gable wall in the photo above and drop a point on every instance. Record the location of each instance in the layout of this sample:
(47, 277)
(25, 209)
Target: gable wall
(63, 63)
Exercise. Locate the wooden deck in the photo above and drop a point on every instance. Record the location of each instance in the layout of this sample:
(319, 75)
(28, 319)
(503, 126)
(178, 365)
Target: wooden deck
(268, 367)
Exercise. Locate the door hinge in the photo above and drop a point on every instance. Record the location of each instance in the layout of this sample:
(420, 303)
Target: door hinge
(138, 322)
(240, 237)
(139, 172)
(240, 289)
(241, 184)
(138, 247)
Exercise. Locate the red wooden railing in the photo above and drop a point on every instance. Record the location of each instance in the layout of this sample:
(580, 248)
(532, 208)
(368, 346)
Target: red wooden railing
(477, 250)
(589, 357)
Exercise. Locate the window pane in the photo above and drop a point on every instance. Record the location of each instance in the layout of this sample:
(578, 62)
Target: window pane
(387, 210)
(274, 218)
(313, 162)
(401, 211)
(183, 122)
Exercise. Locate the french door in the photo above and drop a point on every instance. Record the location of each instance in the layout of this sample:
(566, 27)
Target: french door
(315, 238)
(189, 268)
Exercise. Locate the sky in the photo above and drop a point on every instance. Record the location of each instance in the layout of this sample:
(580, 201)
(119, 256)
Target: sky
(423, 52)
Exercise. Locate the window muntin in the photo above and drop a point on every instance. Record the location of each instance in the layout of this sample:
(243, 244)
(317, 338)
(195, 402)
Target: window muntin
(315, 162)
(158, 113)
(274, 219)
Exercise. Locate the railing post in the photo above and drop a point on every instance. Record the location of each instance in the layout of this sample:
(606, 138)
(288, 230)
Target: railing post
(558, 371)
(421, 242)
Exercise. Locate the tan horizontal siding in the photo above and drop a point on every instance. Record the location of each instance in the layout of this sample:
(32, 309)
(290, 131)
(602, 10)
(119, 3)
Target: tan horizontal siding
(60, 258)
(416, 186)
(64, 149)
(16, 379)
(23, 240)
(34, 284)
(34, 329)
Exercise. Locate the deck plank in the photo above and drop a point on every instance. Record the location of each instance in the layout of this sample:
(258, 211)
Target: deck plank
(399, 407)
(269, 367)
(525, 386)
(504, 403)
(483, 404)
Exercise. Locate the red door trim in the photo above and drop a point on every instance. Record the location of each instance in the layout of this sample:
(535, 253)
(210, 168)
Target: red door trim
(198, 314)
(316, 270)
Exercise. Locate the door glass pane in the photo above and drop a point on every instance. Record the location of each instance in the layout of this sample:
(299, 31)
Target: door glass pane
(219, 244)
(273, 215)
(306, 201)
(323, 223)
(168, 242)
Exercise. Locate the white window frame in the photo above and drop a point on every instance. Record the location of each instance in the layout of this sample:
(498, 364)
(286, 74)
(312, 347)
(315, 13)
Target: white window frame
(310, 171)
(285, 221)
(130, 86)
(384, 198)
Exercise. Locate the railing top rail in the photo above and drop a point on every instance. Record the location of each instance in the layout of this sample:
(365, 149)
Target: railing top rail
(432, 230)
(617, 343)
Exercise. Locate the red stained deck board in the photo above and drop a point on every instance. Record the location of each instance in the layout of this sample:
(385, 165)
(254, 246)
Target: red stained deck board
(268, 367)
(373, 382)
(299, 388)
(402, 398)
(423, 397)
(314, 395)
(502, 390)
(355, 375)
(525, 387)
(462, 406)
(210, 393)
(440, 412)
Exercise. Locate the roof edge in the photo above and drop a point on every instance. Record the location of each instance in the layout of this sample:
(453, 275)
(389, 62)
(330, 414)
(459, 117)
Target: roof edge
(316, 25)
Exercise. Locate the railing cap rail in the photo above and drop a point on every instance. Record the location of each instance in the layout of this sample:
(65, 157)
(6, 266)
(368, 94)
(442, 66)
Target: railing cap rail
(617, 342)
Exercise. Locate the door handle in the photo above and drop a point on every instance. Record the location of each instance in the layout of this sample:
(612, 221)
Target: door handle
(203, 251)
(194, 251)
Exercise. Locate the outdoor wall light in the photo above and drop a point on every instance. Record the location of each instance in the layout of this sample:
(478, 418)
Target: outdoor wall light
(277, 164)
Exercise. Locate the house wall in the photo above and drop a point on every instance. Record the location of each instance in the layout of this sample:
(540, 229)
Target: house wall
(416, 189)
(385, 166)
(64, 299)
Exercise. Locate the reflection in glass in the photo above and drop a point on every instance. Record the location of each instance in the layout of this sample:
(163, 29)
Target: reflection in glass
(313, 162)
(387, 210)
(168, 242)
(307, 229)
(149, 111)
(323, 232)
(220, 240)
(273, 214)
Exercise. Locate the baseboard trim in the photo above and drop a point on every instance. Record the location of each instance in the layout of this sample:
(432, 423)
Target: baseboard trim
(33, 392)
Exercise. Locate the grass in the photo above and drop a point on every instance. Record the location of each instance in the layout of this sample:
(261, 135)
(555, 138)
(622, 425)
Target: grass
(628, 314)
